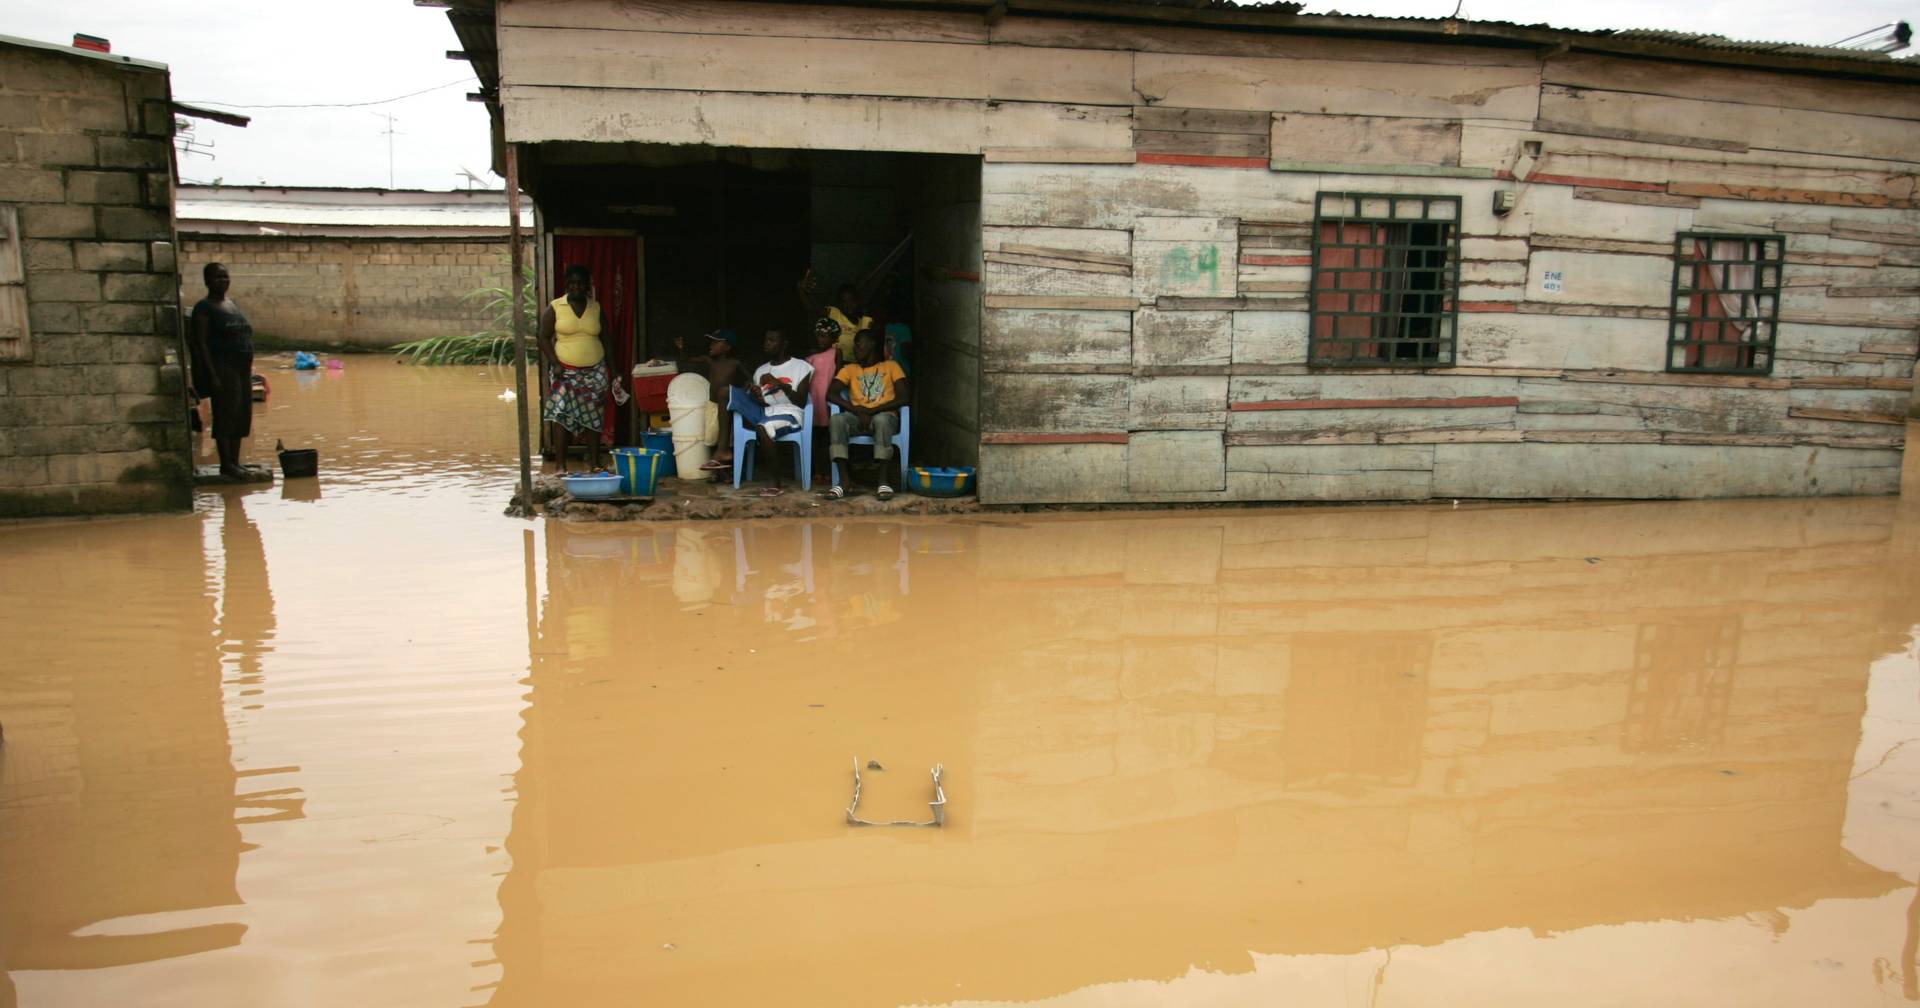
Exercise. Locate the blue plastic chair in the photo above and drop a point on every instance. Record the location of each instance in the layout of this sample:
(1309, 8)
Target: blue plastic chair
(745, 440)
(900, 442)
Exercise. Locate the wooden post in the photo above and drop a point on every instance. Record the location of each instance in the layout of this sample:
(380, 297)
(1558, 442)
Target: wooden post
(517, 287)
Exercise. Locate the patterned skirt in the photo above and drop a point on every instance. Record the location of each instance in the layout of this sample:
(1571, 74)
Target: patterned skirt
(578, 399)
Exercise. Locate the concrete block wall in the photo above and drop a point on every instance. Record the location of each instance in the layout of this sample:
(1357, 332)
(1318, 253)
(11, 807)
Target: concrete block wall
(354, 293)
(92, 399)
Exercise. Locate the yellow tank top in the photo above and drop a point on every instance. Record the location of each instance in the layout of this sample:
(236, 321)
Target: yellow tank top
(848, 329)
(576, 338)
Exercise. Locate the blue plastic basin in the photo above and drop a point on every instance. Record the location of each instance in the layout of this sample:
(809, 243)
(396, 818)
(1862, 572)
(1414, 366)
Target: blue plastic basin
(589, 487)
(942, 481)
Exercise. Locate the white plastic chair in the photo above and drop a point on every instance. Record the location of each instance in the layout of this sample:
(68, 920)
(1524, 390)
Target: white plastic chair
(900, 442)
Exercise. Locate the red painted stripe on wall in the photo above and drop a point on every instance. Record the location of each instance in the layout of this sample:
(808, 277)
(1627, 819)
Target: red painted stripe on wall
(1597, 183)
(1274, 260)
(1022, 439)
(1452, 403)
(1204, 160)
(1489, 306)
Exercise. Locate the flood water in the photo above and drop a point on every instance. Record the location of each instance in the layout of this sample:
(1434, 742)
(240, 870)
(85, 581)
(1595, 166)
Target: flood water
(371, 743)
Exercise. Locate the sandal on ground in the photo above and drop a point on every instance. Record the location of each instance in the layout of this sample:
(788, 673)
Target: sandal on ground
(835, 492)
(771, 491)
(711, 465)
(884, 493)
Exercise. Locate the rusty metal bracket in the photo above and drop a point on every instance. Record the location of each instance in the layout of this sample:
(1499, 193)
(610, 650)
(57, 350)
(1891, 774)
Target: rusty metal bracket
(938, 805)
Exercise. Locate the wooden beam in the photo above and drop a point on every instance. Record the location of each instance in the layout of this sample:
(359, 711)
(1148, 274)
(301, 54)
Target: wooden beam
(1057, 155)
(1847, 416)
(1587, 182)
(1015, 438)
(1638, 136)
(1346, 168)
(1053, 262)
(1769, 194)
(1636, 198)
(1047, 301)
(1453, 402)
(1679, 379)
(1054, 252)
(1854, 382)
(1201, 160)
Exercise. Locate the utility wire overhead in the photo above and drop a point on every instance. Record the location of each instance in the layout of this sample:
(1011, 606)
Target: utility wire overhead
(364, 104)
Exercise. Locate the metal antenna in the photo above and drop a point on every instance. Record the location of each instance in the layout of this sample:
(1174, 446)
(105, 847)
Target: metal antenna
(391, 133)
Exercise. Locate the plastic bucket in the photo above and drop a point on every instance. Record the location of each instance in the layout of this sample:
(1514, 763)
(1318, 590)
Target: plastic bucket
(298, 462)
(662, 442)
(639, 470)
(689, 456)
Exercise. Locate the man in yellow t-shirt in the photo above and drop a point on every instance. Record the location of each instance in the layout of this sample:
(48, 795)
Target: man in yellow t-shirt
(870, 393)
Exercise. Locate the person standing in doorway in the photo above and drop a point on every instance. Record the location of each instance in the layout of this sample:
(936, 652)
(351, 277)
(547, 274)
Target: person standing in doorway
(847, 311)
(223, 367)
(870, 393)
(825, 360)
(577, 361)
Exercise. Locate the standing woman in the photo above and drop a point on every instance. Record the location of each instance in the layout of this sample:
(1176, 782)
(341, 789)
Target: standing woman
(570, 343)
(223, 367)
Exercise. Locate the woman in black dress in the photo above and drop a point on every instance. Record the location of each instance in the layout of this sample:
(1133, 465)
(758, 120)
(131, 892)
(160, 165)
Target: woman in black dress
(223, 367)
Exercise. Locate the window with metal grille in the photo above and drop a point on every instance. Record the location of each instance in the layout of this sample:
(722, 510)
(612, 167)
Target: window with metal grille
(1726, 302)
(1386, 280)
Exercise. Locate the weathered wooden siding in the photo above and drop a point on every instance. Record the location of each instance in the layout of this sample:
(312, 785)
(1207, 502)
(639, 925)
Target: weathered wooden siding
(1145, 219)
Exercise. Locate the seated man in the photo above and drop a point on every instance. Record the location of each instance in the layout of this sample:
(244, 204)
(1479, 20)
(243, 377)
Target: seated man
(772, 403)
(869, 392)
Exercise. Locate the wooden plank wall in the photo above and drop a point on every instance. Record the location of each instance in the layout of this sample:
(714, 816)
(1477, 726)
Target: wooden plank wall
(1145, 222)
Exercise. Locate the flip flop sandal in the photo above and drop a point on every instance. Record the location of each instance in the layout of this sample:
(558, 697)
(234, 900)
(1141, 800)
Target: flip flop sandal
(715, 464)
(835, 493)
(884, 493)
(771, 491)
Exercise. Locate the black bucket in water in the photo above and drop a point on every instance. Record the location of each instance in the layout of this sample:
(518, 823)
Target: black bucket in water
(298, 462)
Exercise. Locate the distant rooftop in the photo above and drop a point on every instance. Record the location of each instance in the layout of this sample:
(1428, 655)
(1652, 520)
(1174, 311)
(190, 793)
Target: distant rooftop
(343, 213)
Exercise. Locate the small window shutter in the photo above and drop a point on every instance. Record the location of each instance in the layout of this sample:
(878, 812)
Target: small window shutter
(14, 342)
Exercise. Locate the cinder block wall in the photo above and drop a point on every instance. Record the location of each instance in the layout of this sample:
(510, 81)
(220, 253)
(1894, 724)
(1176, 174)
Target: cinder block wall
(358, 293)
(92, 407)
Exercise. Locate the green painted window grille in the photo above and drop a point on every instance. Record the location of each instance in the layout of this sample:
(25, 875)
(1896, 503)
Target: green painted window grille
(1386, 280)
(1726, 302)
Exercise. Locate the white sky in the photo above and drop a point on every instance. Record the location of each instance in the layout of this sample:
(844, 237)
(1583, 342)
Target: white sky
(367, 50)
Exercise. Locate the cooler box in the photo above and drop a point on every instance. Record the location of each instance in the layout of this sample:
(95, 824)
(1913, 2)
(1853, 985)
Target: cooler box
(662, 442)
(650, 392)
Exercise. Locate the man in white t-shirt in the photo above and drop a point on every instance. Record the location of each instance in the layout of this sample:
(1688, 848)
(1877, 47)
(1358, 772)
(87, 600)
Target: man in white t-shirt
(772, 405)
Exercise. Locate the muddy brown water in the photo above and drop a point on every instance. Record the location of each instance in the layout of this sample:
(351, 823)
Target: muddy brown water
(364, 741)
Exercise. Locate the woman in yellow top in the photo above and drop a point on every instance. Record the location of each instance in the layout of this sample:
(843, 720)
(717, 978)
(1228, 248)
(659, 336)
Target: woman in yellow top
(570, 345)
(846, 311)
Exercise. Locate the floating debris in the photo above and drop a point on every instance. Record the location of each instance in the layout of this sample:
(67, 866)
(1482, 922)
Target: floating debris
(938, 805)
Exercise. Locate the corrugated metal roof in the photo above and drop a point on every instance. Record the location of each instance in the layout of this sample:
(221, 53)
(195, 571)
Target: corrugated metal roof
(1709, 41)
(290, 210)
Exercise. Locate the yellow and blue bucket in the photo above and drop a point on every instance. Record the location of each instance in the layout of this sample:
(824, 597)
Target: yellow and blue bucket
(639, 470)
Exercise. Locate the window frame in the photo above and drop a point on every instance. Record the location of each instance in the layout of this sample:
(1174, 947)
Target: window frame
(1445, 319)
(1682, 343)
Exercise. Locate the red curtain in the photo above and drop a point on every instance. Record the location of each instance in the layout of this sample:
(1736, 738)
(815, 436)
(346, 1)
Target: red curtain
(1339, 286)
(1707, 304)
(615, 262)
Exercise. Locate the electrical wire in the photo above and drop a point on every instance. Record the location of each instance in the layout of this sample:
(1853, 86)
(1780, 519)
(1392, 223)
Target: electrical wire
(364, 104)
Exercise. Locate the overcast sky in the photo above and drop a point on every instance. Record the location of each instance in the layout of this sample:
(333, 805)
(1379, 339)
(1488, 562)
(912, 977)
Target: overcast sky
(231, 53)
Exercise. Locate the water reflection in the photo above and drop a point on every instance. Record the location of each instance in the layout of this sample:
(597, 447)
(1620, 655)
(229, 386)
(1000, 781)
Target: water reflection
(1183, 743)
(94, 871)
(1579, 754)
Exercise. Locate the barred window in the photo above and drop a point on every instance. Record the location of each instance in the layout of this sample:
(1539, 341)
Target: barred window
(1726, 303)
(1386, 280)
